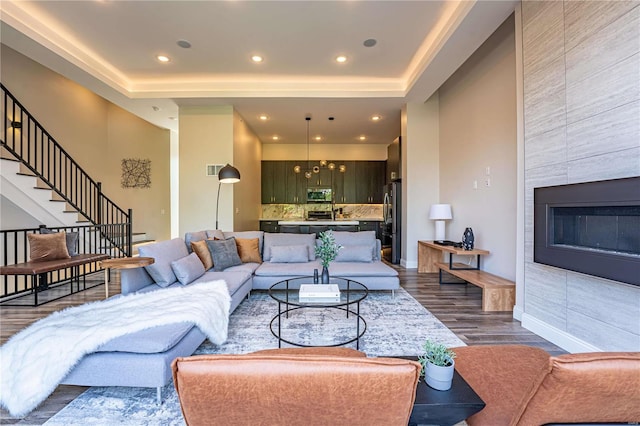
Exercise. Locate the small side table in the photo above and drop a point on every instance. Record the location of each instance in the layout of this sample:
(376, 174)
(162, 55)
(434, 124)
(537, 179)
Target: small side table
(123, 263)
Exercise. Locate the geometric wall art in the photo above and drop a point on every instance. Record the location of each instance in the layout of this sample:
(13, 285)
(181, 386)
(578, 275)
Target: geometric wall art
(136, 173)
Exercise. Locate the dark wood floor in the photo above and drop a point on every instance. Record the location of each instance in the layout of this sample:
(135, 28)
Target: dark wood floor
(457, 306)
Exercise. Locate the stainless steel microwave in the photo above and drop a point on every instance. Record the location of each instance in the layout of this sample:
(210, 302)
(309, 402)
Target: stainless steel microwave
(319, 195)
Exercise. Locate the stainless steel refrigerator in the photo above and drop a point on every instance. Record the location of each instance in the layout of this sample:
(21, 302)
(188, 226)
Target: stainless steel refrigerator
(391, 225)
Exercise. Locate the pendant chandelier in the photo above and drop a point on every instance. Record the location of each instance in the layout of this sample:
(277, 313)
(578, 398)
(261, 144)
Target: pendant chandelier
(323, 163)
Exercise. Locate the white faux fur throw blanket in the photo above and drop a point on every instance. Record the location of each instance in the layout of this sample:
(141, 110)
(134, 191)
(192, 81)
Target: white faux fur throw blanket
(35, 360)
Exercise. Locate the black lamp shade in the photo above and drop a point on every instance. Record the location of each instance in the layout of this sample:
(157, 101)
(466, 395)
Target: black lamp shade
(228, 174)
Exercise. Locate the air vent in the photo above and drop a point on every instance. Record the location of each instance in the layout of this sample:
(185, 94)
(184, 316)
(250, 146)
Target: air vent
(214, 169)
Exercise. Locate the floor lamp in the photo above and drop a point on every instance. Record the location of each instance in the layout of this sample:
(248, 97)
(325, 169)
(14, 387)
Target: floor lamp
(227, 174)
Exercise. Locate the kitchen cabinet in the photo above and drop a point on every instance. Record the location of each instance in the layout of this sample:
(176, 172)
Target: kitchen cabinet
(361, 183)
(322, 179)
(372, 225)
(370, 182)
(296, 185)
(344, 183)
(269, 226)
(274, 182)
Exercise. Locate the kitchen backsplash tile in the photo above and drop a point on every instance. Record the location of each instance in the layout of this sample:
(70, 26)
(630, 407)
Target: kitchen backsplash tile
(298, 211)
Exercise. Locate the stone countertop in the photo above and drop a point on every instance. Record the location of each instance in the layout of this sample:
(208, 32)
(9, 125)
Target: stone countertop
(319, 222)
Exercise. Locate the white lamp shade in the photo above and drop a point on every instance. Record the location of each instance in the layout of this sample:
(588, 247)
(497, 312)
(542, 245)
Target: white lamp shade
(440, 212)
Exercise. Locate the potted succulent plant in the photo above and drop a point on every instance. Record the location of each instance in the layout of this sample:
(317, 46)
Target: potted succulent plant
(327, 251)
(437, 365)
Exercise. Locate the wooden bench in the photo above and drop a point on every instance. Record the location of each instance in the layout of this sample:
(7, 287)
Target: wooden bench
(39, 270)
(498, 294)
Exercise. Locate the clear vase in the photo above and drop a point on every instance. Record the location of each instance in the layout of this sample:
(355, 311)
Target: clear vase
(325, 275)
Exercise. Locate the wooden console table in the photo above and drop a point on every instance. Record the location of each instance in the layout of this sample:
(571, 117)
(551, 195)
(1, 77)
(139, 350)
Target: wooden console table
(430, 254)
(123, 263)
(498, 294)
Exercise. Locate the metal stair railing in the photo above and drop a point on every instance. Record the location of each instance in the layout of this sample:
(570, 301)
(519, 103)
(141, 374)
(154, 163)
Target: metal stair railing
(24, 137)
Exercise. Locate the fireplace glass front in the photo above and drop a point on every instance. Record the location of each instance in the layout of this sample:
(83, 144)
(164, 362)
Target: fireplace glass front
(607, 228)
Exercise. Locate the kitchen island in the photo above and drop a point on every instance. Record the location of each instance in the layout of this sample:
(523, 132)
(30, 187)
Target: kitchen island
(301, 226)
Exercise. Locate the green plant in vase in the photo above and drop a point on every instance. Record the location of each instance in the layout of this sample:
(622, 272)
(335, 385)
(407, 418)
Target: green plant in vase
(327, 251)
(437, 365)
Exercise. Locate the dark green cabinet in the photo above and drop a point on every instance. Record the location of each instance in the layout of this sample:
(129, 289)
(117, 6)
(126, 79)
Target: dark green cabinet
(371, 225)
(296, 188)
(370, 182)
(361, 183)
(269, 226)
(274, 182)
(345, 182)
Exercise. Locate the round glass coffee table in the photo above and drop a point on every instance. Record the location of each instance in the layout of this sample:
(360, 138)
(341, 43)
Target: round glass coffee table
(291, 323)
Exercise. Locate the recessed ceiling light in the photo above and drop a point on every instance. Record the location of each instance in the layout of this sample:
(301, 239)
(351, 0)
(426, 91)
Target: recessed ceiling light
(155, 108)
(183, 43)
(163, 58)
(275, 137)
(318, 138)
(257, 58)
(263, 117)
(375, 118)
(341, 59)
(362, 138)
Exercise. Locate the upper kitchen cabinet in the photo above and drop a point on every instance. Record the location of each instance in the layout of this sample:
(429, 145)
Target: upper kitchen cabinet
(393, 161)
(274, 182)
(322, 179)
(296, 191)
(344, 183)
(370, 180)
(361, 183)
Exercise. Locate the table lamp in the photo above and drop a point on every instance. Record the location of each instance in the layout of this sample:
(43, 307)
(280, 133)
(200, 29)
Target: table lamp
(440, 213)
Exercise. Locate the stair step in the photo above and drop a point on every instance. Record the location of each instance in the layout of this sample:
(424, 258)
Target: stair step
(25, 174)
(142, 242)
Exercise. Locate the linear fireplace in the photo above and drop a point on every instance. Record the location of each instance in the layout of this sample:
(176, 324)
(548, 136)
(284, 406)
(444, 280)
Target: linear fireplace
(592, 228)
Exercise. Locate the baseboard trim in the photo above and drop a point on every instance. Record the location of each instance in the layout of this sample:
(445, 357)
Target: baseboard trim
(517, 312)
(409, 264)
(556, 336)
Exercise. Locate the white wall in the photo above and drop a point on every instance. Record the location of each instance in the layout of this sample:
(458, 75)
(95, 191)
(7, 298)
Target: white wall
(420, 175)
(346, 152)
(477, 125)
(206, 137)
(98, 135)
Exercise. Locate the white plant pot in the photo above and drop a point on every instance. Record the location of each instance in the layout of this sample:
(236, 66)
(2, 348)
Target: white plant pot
(438, 377)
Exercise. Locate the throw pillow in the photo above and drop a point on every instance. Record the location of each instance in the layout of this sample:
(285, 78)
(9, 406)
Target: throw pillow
(72, 240)
(224, 253)
(44, 247)
(190, 237)
(164, 252)
(249, 250)
(363, 253)
(201, 249)
(188, 268)
(289, 254)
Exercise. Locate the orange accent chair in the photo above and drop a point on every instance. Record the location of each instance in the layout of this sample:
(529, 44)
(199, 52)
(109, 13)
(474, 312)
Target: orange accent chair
(310, 386)
(523, 385)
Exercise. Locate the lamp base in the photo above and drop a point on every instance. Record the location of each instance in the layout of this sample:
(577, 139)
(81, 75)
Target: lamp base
(439, 230)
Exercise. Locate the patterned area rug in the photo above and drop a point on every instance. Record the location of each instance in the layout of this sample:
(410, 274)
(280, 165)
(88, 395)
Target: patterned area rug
(395, 326)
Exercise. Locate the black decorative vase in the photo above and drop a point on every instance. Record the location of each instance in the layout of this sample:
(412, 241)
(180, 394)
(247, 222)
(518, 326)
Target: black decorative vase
(325, 275)
(467, 239)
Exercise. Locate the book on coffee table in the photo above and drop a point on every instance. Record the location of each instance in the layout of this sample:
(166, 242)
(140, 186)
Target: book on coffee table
(319, 293)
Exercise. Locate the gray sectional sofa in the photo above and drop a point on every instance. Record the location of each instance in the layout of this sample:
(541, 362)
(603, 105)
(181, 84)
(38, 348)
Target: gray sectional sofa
(143, 359)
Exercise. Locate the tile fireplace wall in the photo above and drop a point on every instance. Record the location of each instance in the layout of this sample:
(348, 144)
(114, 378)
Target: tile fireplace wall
(581, 123)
